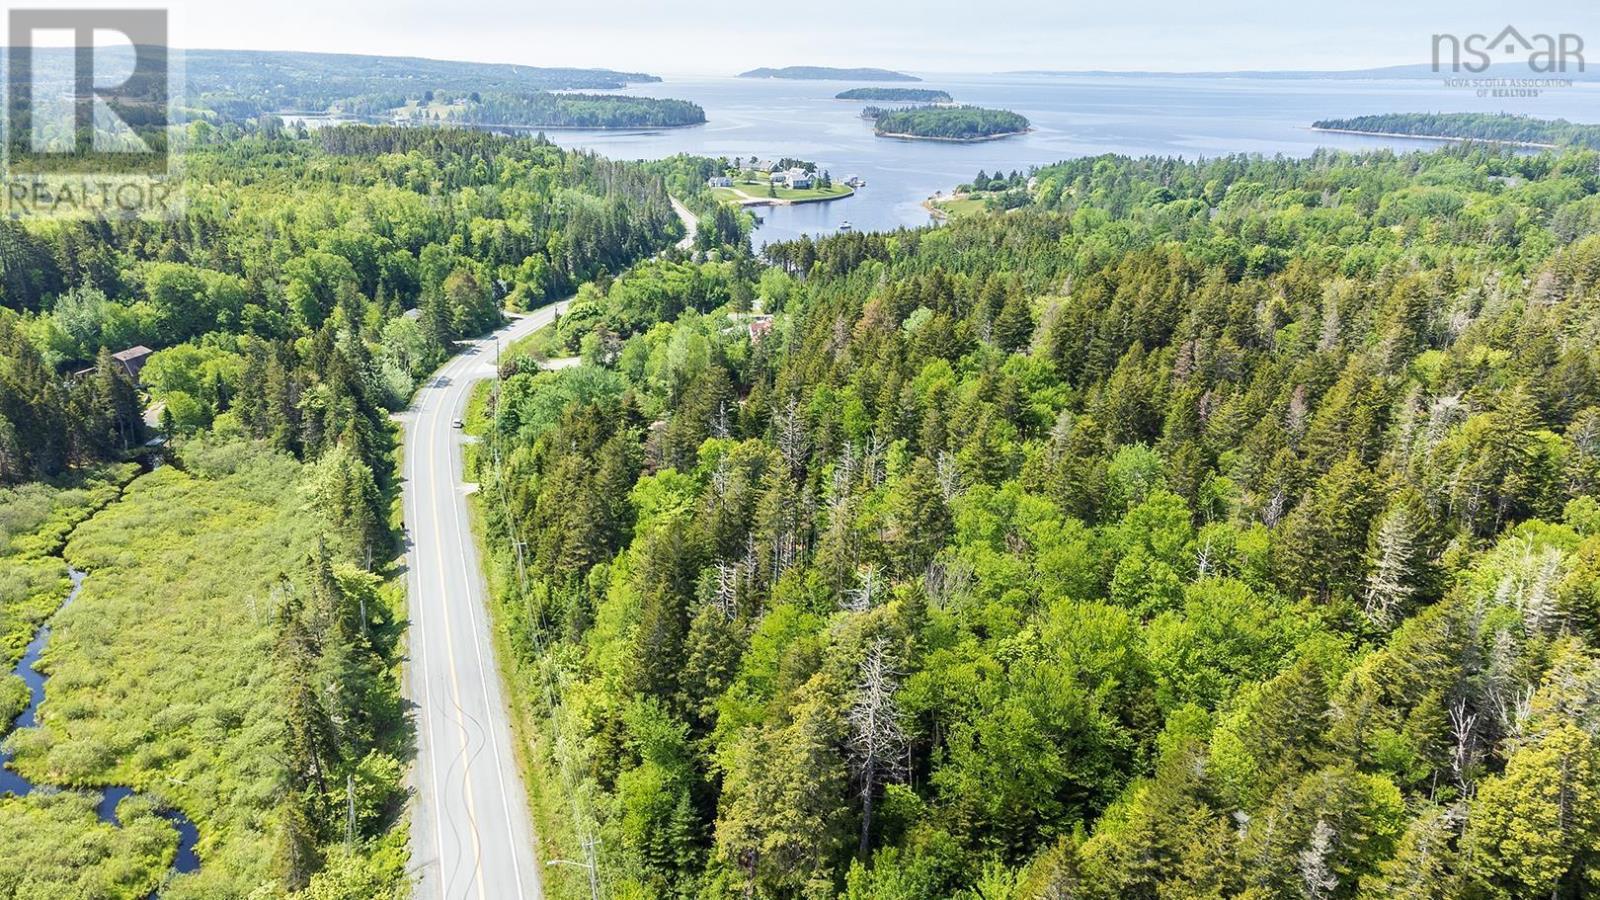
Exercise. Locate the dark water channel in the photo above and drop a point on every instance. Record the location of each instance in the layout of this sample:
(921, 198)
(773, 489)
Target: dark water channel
(13, 783)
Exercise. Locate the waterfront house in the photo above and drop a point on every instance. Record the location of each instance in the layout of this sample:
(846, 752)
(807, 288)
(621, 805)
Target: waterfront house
(717, 181)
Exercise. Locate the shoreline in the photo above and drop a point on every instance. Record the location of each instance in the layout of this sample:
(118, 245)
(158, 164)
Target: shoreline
(750, 201)
(951, 102)
(574, 127)
(1444, 138)
(951, 140)
(327, 120)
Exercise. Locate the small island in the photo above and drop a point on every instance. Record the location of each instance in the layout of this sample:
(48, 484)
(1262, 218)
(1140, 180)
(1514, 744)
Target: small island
(895, 95)
(827, 73)
(946, 123)
(543, 109)
(1500, 128)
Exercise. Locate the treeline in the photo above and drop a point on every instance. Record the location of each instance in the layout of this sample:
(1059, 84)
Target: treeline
(577, 111)
(955, 123)
(49, 423)
(335, 655)
(525, 110)
(1201, 529)
(1505, 127)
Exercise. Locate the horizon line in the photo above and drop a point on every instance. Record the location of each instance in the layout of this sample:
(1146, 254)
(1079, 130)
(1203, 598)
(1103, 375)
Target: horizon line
(1035, 70)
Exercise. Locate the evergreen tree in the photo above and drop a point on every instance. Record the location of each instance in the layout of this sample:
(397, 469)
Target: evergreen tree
(920, 519)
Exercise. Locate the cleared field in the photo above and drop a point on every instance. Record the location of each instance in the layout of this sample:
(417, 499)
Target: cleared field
(746, 190)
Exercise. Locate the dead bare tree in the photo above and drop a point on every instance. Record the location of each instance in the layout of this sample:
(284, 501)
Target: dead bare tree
(949, 473)
(725, 593)
(1318, 876)
(792, 443)
(864, 595)
(945, 580)
(1464, 729)
(877, 736)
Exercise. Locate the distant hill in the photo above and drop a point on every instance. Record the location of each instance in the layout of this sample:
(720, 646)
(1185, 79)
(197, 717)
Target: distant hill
(894, 95)
(1420, 70)
(245, 83)
(825, 73)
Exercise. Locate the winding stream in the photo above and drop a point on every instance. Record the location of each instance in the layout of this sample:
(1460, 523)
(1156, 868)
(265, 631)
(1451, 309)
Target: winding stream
(12, 782)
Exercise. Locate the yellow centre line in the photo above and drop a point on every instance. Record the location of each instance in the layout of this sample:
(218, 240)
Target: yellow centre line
(465, 553)
(445, 408)
(455, 685)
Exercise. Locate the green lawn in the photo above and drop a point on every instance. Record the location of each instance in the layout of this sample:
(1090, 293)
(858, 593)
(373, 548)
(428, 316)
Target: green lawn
(963, 206)
(539, 344)
(834, 192)
(757, 188)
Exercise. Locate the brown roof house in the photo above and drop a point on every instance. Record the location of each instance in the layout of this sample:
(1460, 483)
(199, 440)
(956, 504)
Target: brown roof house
(132, 360)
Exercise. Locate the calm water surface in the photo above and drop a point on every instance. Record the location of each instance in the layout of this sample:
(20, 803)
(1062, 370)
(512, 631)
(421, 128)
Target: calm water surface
(1072, 115)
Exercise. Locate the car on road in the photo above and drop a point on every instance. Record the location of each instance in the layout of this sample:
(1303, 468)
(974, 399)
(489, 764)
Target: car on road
(456, 423)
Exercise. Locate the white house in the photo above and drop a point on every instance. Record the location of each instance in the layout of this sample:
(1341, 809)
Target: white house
(799, 179)
(717, 181)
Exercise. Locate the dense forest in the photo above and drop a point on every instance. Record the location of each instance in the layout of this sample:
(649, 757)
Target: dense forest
(945, 123)
(1220, 529)
(548, 110)
(309, 285)
(1502, 127)
(895, 95)
(239, 85)
(412, 237)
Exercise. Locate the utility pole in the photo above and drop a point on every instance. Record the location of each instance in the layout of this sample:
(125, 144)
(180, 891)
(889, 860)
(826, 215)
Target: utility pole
(589, 844)
(522, 570)
(350, 812)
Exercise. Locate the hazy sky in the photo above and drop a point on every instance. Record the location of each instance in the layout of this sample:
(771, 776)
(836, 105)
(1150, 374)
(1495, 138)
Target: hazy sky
(724, 36)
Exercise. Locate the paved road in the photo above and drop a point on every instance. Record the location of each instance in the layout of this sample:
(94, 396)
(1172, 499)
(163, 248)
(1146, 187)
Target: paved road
(471, 834)
(691, 224)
